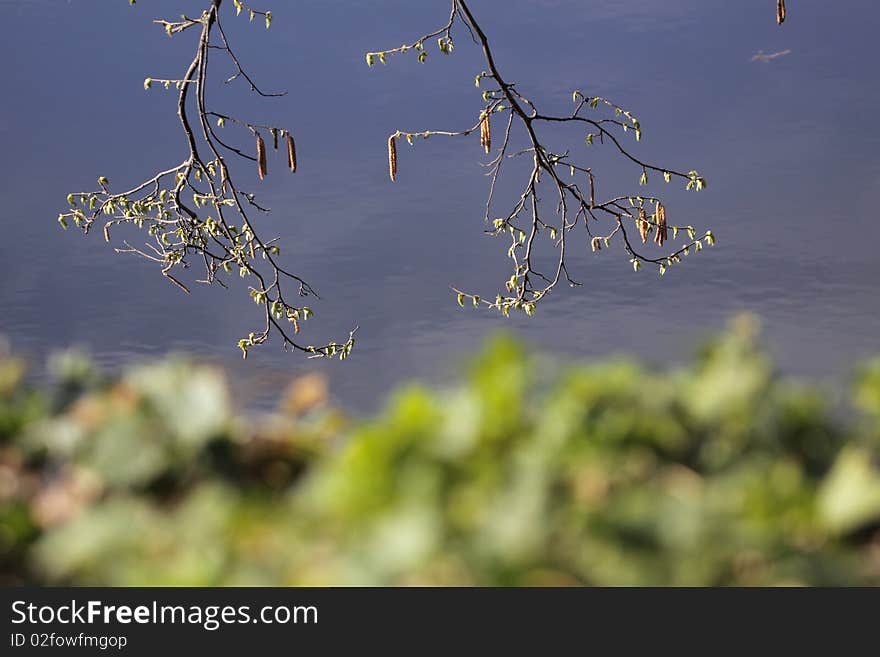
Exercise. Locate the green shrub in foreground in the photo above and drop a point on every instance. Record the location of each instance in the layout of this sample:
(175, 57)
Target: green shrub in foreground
(720, 472)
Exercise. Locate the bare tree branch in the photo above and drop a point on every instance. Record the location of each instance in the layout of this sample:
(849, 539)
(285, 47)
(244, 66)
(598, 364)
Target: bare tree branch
(573, 205)
(215, 226)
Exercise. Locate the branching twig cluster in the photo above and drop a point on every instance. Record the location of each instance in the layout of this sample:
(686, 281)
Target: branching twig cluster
(195, 211)
(629, 220)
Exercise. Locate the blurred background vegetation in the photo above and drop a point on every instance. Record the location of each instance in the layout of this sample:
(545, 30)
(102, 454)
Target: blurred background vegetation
(720, 472)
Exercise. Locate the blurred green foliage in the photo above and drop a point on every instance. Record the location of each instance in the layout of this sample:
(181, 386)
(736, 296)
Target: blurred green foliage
(717, 473)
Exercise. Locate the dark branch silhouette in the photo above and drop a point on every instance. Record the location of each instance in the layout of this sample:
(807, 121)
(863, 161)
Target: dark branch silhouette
(629, 220)
(195, 210)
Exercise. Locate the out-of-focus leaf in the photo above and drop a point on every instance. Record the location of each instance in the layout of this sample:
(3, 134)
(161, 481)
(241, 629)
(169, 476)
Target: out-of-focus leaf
(850, 497)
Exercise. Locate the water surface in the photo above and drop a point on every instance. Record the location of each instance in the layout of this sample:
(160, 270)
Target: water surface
(788, 146)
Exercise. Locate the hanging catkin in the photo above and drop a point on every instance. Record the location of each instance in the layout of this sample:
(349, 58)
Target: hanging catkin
(291, 153)
(780, 12)
(592, 190)
(392, 157)
(485, 132)
(643, 225)
(261, 157)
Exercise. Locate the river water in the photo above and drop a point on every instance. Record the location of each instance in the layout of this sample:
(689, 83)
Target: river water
(788, 145)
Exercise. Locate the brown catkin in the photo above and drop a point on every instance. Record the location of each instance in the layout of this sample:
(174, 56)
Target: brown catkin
(274, 139)
(392, 157)
(592, 190)
(485, 132)
(291, 153)
(664, 227)
(643, 225)
(662, 230)
(780, 12)
(261, 157)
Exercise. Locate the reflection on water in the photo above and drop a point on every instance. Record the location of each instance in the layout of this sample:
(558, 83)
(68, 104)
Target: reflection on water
(786, 145)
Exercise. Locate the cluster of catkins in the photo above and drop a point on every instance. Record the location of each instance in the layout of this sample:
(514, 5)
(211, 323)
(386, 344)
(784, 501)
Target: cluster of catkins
(644, 225)
(262, 168)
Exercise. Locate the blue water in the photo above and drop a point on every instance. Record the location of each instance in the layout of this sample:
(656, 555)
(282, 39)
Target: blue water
(788, 146)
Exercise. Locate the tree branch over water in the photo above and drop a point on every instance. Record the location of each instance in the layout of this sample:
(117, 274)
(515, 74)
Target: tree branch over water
(632, 222)
(194, 211)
